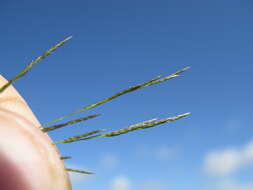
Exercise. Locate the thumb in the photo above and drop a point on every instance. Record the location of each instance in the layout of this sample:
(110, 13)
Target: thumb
(12, 101)
(28, 160)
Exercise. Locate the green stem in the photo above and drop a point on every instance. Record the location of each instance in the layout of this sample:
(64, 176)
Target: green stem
(31, 65)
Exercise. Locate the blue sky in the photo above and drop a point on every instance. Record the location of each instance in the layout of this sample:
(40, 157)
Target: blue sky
(117, 44)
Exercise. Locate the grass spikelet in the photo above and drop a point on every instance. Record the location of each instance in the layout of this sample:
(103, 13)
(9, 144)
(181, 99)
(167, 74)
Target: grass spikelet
(142, 125)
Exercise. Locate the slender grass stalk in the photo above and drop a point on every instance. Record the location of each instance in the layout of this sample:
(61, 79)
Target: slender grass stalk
(138, 126)
(32, 64)
(131, 89)
(78, 171)
(65, 157)
(69, 123)
(75, 138)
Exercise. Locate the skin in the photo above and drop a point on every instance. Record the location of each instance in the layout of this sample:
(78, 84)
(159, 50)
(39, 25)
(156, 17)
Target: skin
(28, 160)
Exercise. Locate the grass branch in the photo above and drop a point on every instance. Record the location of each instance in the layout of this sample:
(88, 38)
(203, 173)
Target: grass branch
(75, 138)
(138, 126)
(33, 63)
(130, 89)
(78, 171)
(65, 157)
(69, 123)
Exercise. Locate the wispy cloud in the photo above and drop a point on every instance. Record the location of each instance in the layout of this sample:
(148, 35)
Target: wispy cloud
(110, 161)
(161, 153)
(152, 185)
(233, 125)
(233, 185)
(120, 183)
(226, 161)
(165, 153)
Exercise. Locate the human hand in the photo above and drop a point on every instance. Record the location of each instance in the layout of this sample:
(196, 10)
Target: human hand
(28, 159)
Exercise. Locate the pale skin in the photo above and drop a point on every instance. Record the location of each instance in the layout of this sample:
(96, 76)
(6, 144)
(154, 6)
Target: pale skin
(28, 160)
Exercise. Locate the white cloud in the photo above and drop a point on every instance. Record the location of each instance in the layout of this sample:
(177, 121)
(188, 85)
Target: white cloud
(222, 162)
(110, 161)
(120, 183)
(227, 161)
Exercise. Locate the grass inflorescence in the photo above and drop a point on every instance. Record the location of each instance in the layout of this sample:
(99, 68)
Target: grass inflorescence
(91, 134)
